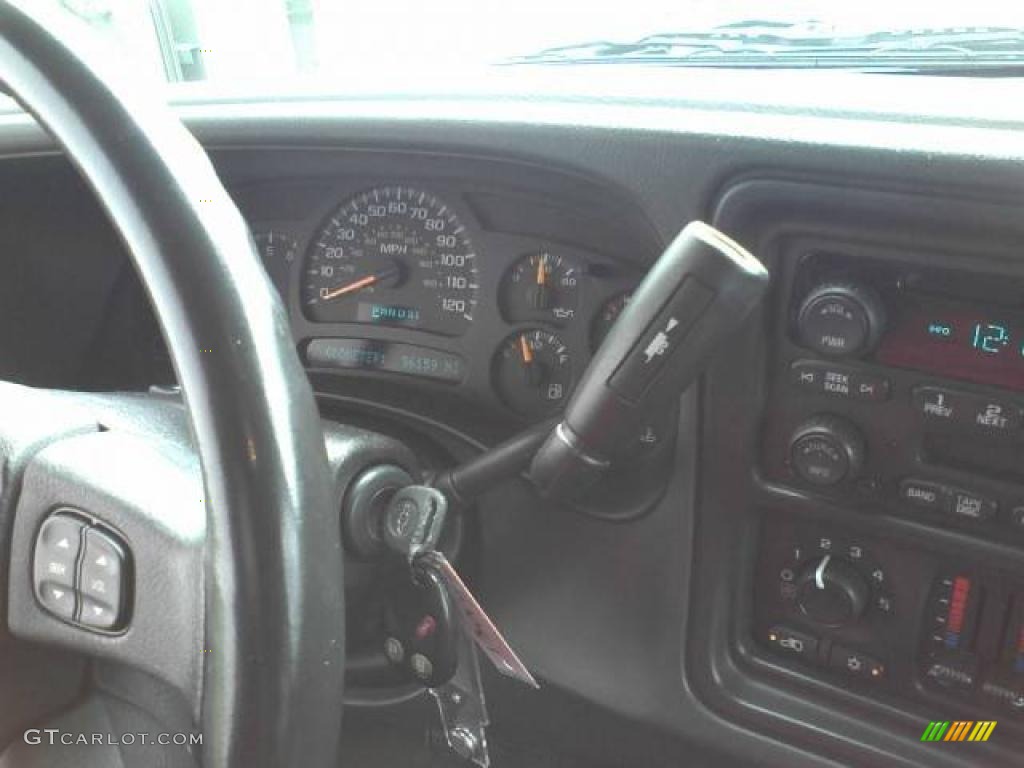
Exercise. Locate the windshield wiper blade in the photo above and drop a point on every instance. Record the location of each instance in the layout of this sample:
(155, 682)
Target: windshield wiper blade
(758, 44)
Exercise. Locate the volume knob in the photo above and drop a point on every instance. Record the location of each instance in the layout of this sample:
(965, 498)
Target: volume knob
(841, 319)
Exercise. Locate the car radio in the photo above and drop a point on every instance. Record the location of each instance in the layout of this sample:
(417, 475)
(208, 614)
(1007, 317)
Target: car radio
(900, 385)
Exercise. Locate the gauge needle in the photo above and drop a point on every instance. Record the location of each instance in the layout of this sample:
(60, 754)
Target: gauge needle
(524, 347)
(538, 296)
(363, 282)
(533, 370)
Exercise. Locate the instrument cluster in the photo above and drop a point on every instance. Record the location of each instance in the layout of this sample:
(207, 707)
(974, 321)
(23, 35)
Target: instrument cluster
(404, 280)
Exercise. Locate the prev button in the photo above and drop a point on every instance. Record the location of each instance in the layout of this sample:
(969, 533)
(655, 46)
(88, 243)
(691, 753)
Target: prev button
(939, 404)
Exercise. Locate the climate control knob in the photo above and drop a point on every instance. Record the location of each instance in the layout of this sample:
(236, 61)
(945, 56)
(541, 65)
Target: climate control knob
(839, 319)
(826, 450)
(831, 592)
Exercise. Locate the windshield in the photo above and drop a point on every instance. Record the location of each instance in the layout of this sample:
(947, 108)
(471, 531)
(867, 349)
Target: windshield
(352, 43)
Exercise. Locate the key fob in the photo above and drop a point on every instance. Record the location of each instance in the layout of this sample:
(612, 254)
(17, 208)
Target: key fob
(421, 630)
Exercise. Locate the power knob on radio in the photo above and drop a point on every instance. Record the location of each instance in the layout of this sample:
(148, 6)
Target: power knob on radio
(841, 319)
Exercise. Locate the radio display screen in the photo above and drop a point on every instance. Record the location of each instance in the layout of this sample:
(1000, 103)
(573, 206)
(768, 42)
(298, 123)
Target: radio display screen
(957, 341)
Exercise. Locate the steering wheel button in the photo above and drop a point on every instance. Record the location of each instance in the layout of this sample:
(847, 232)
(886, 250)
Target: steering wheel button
(57, 549)
(58, 599)
(102, 578)
(97, 615)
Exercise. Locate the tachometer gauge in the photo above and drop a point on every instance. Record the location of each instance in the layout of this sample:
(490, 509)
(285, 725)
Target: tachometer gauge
(533, 372)
(392, 256)
(542, 287)
(606, 317)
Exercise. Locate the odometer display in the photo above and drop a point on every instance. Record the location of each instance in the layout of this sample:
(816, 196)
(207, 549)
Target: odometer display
(392, 256)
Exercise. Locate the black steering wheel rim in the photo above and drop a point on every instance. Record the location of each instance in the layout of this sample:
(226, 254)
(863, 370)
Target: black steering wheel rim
(274, 612)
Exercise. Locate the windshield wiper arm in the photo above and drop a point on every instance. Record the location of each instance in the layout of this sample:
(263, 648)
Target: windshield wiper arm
(758, 44)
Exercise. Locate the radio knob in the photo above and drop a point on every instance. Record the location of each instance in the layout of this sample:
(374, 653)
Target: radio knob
(826, 450)
(832, 592)
(841, 319)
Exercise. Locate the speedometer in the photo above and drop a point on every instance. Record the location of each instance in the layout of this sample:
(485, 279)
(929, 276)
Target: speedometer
(392, 256)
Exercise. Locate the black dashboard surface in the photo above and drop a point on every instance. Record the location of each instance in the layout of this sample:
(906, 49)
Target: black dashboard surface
(650, 620)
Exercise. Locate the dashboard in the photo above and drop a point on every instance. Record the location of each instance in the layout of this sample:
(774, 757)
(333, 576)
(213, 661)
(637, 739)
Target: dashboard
(447, 280)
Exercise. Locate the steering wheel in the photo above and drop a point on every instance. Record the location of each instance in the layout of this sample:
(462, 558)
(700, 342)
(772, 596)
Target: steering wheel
(243, 562)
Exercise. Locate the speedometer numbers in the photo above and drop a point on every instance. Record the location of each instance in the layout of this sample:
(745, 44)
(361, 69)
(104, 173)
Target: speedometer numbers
(533, 372)
(392, 256)
(542, 287)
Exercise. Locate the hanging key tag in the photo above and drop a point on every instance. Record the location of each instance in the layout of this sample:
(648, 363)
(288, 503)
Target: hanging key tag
(462, 706)
(476, 623)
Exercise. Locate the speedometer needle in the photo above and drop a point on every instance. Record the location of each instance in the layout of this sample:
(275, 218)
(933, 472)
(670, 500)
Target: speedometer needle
(363, 282)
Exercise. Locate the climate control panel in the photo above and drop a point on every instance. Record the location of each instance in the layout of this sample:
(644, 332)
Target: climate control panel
(825, 599)
(888, 617)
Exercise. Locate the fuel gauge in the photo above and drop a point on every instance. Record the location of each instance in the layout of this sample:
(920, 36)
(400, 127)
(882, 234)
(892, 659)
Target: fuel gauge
(533, 372)
(542, 287)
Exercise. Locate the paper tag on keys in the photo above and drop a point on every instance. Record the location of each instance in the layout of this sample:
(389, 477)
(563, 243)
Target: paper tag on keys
(475, 621)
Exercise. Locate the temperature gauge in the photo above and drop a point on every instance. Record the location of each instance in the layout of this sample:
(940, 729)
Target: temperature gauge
(542, 287)
(533, 372)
